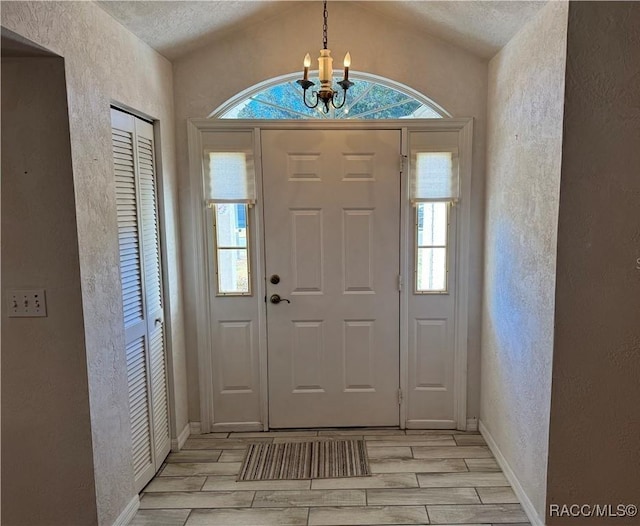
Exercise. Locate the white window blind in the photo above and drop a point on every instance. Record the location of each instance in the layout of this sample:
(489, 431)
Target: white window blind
(434, 176)
(230, 177)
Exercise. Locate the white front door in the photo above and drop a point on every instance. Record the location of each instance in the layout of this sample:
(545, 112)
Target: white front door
(332, 231)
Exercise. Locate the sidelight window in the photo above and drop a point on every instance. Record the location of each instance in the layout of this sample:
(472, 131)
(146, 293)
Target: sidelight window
(232, 248)
(434, 189)
(432, 228)
(230, 185)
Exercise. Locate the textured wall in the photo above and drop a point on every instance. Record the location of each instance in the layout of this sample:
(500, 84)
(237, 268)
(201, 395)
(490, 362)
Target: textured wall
(105, 63)
(47, 459)
(594, 452)
(526, 89)
(452, 77)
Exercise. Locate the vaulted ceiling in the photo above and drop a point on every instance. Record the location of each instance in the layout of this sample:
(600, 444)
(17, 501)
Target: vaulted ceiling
(174, 28)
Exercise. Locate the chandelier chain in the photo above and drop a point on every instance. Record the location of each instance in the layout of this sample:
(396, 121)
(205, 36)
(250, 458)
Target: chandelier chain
(326, 94)
(325, 26)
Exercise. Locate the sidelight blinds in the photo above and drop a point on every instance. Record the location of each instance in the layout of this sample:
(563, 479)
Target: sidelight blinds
(229, 168)
(434, 175)
(231, 178)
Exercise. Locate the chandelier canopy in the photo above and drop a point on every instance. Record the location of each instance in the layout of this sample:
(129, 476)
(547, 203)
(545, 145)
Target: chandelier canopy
(326, 95)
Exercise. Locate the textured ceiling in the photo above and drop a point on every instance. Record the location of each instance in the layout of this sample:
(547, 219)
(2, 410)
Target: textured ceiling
(176, 27)
(482, 27)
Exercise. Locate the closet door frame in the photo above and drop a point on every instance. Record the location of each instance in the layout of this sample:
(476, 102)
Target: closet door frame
(164, 276)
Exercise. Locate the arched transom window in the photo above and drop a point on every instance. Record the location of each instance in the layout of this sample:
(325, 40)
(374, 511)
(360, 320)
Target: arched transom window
(371, 97)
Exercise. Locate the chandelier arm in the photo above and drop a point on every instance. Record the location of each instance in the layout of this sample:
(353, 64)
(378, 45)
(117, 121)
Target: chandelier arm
(304, 99)
(344, 99)
(345, 85)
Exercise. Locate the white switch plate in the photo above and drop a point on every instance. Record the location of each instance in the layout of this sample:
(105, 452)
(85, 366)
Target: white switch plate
(27, 303)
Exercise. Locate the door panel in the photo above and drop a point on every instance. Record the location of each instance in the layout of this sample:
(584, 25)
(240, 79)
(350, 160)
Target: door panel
(235, 367)
(331, 206)
(432, 323)
(236, 320)
(306, 250)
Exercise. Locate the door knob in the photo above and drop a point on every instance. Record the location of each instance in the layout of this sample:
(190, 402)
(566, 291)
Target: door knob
(275, 299)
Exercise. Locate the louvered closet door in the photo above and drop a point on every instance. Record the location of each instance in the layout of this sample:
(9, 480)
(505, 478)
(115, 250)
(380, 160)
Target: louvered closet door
(141, 276)
(153, 288)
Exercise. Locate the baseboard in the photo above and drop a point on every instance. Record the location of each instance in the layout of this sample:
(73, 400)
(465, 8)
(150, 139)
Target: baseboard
(472, 424)
(128, 513)
(527, 505)
(177, 443)
(195, 428)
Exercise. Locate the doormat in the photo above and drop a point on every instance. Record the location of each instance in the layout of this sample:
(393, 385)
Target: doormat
(322, 459)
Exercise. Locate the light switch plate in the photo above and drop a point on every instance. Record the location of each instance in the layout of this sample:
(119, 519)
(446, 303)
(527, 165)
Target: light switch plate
(27, 303)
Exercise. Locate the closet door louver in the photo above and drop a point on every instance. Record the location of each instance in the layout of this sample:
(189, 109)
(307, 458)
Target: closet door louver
(141, 276)
(143, 465)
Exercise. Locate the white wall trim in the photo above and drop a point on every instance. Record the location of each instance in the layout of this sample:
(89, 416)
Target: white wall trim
(472, 424)
(195, 428)
(128, 513)
(177, 443)
(197, 126)
(527, 505)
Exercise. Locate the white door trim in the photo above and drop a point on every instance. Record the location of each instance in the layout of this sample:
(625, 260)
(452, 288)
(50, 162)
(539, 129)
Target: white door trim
(195, 128)
(261, 283)
(203, 328)
(405, 240)
(462, 272)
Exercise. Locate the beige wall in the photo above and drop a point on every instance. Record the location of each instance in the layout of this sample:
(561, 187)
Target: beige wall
(594, 452)
(105, 63)
(46, 428)
(524, 136)
(452, 77)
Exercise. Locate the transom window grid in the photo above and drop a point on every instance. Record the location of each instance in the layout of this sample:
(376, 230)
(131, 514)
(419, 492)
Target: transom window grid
(367, 99)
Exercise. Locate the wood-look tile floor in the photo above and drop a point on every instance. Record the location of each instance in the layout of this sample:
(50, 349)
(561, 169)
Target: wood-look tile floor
(419, 478)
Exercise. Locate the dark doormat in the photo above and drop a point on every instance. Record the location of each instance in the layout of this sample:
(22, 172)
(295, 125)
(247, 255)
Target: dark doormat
(305, 460)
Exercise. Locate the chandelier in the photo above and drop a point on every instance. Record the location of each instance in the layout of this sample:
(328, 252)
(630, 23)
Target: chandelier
(326, 95)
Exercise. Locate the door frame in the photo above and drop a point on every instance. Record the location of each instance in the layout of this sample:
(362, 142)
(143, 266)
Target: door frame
(195, 129)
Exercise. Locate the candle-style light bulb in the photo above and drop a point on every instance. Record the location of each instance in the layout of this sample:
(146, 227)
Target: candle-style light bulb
(306, 63)
(347, 63)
